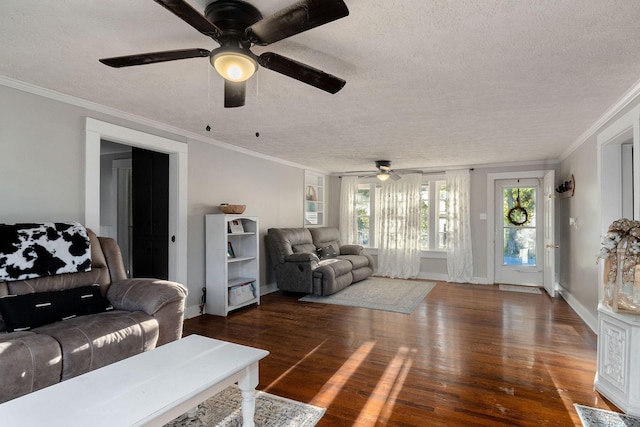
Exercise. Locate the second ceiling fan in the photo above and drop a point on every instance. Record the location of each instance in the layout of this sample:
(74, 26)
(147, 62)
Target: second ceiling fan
(384, 171)
(236, 26)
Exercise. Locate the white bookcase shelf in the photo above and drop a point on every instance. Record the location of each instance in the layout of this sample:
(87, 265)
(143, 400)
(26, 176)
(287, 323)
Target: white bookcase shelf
(232, 260)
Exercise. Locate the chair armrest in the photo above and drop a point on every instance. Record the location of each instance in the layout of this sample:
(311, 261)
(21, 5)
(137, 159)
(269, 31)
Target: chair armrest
(148, 295)
(302, 257)
(162, 299)
(350, 250)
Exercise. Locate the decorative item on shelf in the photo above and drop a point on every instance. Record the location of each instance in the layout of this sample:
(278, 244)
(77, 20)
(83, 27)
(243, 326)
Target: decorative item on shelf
(230, 253)
(312, 194)
(242, 293)
(567, 188)
(621, 252)
(226, 208)
(235, 226)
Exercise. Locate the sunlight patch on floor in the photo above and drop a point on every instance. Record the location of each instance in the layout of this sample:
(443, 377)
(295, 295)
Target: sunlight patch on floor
(285, 373)
(332, 387)
(380, 405)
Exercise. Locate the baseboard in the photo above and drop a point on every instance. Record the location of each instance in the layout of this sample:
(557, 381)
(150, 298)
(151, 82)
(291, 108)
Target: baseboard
(269, 288)
(445, 278)
(194, 310)
(580, 310)
(433, 276)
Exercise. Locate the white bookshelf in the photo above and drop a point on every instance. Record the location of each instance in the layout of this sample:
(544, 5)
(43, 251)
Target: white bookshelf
(224, 272)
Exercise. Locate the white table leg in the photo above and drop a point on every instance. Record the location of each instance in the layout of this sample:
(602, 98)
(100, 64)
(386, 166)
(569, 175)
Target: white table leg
(247, 385)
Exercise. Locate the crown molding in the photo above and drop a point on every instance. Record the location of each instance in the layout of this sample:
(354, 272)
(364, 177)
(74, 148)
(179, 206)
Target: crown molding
(622, 103)
(99, 108)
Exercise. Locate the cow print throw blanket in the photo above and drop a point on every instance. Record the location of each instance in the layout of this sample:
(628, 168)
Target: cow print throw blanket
(36, 250)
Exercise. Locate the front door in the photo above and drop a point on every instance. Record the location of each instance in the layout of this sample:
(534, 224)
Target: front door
(519, 256)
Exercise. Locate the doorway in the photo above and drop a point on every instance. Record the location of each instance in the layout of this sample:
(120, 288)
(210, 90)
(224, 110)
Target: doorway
(97, 130)
(532, 273)
(519, 235)
(135, 207)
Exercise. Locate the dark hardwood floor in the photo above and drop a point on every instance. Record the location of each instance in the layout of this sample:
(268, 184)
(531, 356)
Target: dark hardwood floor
(469, 355)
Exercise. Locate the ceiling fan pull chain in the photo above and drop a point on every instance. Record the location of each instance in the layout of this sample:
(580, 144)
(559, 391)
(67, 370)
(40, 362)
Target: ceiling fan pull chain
(257, 105)
(209, 101)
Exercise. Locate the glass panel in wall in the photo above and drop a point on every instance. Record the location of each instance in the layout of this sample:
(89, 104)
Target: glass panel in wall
(519, 226)
(363, 210)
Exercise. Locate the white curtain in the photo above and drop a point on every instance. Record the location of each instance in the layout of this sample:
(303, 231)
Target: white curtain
(348, 212)
(459, 254)
(399, 219)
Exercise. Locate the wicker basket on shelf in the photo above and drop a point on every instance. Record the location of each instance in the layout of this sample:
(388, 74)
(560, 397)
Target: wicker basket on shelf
(232, 209)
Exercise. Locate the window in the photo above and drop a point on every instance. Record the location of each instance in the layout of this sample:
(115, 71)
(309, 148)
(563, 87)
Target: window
(433, 215)
(432, 219)
(363, 211)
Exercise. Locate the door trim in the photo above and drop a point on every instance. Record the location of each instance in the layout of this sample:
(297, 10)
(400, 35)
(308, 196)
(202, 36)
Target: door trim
(491, 182)
(95, 131)
(609, 151)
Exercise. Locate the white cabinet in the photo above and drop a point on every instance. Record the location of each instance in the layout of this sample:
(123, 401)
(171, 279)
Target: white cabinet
(232, 262)
(618, 375)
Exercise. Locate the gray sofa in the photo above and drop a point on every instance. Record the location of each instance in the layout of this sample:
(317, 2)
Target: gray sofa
(136, 315)
(312, 260)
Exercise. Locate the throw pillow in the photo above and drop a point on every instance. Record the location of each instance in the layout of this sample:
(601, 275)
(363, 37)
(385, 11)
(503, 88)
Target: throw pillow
(326, 252)
(24, 312)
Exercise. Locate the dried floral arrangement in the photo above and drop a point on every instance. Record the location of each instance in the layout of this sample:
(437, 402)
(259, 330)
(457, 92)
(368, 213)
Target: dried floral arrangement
(621, 250)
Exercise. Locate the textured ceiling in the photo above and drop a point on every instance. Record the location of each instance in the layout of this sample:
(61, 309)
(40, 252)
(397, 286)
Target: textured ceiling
(430, 84)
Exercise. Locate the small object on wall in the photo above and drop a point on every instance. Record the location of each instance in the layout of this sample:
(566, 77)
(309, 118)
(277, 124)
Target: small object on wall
(226, 208)
(567, 188)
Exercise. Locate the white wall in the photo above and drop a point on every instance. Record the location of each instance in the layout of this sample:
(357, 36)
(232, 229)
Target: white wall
(41, 159)
(272, 192)
(42, 144)
(579, 274)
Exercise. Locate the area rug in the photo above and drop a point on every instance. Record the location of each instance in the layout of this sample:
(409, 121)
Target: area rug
(523, 289)
(224, 410)
(379, 293)
(592, 417)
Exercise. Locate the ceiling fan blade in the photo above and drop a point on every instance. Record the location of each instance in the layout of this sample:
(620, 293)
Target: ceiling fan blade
(152, 57)
(299, 71)
(297, 18)
(394, 176)
(188, 14)
(234, 93)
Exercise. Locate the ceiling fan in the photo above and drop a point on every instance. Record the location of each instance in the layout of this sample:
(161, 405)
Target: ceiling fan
(384, 171)
(236, 26)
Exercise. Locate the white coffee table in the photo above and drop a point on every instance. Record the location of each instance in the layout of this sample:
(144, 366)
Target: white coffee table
(149, 389)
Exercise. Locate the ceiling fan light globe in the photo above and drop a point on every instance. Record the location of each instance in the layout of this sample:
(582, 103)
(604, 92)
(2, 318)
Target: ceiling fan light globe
(233, 66)
(383, 175)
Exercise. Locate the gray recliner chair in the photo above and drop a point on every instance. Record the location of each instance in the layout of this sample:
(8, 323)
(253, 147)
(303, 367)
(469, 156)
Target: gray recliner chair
(312, 260)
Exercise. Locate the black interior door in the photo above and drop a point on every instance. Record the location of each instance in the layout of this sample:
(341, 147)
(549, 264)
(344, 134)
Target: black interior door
(150, 206)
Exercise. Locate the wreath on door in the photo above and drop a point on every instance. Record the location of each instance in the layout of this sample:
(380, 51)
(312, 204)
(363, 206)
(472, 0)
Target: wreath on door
(518, 215)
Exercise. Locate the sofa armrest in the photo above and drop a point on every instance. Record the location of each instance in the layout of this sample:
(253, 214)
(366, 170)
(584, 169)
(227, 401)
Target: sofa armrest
(161, 299)
(302, 257)
(350, 250)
